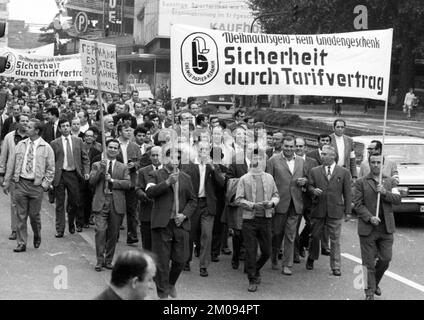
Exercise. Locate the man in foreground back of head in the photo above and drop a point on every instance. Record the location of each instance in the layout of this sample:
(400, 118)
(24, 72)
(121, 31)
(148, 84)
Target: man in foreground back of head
(132, 277)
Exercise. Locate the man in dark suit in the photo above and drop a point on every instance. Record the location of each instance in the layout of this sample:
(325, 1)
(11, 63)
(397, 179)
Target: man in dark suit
(301, 242)
(52, 129)
(132, 277)
(277, 141)
(170, 224)
(10, 124)
(290, 177)
(204, 177)
(110, 178)
(131, 155)
(375, 230)
(344, 147)
(145, 203)
(323, 139)
(330, 186)
(72, 166)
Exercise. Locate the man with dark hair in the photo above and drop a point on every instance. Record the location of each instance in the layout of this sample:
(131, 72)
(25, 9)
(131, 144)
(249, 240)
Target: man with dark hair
(10, 123)
(389, 167)
(52, 129)
(131, 156)
(344, 147)
(375, 230)
(72, 167)
(110, 178)
(33, 172)
(238, 120)
(170, 225)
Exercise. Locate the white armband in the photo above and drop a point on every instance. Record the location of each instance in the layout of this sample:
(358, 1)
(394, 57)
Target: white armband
(395, 191)
(150, 185)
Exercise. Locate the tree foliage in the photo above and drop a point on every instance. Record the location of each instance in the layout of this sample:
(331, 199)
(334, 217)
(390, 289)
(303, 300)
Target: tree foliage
(406, 17)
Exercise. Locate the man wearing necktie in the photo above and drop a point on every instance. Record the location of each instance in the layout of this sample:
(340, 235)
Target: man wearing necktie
(72, 167)
(330, 187)
(110, 178)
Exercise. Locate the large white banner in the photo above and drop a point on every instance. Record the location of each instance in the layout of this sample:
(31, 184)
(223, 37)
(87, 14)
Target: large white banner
(47, 50)
(37, 67)
(208, 62)
(106, 61)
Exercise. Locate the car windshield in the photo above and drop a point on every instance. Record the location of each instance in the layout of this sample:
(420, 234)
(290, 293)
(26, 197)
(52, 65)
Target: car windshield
(398, 153)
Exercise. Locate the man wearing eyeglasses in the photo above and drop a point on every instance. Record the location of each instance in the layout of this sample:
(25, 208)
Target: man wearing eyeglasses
(344, 147)
(389, 167)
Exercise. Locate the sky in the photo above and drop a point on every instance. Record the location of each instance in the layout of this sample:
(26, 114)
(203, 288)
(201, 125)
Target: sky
(33, 11)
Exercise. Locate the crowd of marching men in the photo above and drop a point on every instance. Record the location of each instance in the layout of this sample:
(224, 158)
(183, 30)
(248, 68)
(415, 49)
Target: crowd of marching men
(184, 181)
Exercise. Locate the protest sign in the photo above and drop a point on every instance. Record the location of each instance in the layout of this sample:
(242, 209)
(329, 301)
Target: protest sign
(102, 56)
(207, 62)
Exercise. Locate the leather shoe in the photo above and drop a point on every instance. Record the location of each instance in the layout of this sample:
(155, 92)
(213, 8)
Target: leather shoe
(369, 297)
(20, 248)
(172, 291)
(132, 240)
(37, 242)
(108, 265)
(187, 266)
(252, 287)
(235, 264)
(325, 252)
(296, 259)
(98, 267)
(287, 271)
(79, 229)
(377, 291)
(59, 235)
(337, 272)
(13, 236)
(215, 258)
(309, 264)
(226, 251)
(203, 272)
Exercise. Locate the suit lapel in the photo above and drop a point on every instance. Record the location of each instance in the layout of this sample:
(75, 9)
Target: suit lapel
(371, 182)
(284, 164)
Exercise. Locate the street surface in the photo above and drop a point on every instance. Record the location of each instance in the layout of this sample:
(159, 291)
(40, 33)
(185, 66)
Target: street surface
(41, 273)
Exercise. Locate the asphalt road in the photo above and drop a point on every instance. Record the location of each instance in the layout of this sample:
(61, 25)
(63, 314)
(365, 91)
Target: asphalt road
(64, 269)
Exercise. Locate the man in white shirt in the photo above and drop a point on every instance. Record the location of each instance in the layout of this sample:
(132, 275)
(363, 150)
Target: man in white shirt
(84, 125)
(344, 147)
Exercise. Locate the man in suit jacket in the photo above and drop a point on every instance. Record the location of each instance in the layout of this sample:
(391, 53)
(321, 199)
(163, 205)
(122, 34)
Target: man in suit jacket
(290, 176)
(330, 186)
(344, 147)
(145, 203)
(110, 178)
(301, 242)
(204, 177)
(375, 231)
(131, 155)
(72, 167)
(170, 225)
(10, 124)
(52, 129)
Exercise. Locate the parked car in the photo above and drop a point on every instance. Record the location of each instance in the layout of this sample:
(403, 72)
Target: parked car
(408, 153)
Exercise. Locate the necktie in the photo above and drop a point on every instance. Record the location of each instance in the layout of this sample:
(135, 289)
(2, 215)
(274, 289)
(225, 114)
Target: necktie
(30, 158)
(109, 171)
(329, 173)
(69, 155)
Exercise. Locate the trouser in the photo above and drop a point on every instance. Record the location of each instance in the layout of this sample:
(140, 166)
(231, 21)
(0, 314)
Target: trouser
(169, 244)
(13, 214)
(218, 229)
(301, 240)
(70, 183)
(325, 239)
(107, 223)
(132, 220)
(87, 199)
(202, 224)
(284, 229)
(28, 203)
(256, 232)
(334, 229)
(146, 235)
(237, 244)
(378, 244)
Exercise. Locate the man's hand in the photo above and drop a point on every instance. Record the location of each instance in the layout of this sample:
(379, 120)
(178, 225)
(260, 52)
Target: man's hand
(317, 192)
(179, 219)
(301, 181)
(258, 206)
(6, 188)
(348, 217)
(267, 204)
(172, 179)
(375, 221)
(108, 177)
(381, 189)
(130, 165)
(354, 179)
(103, 164)
(86, 176)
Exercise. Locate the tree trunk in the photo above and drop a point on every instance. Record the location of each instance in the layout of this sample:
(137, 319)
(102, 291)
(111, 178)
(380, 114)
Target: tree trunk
(406, 71)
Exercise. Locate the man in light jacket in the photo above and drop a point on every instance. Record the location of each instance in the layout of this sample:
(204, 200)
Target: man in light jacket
(257, 195)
